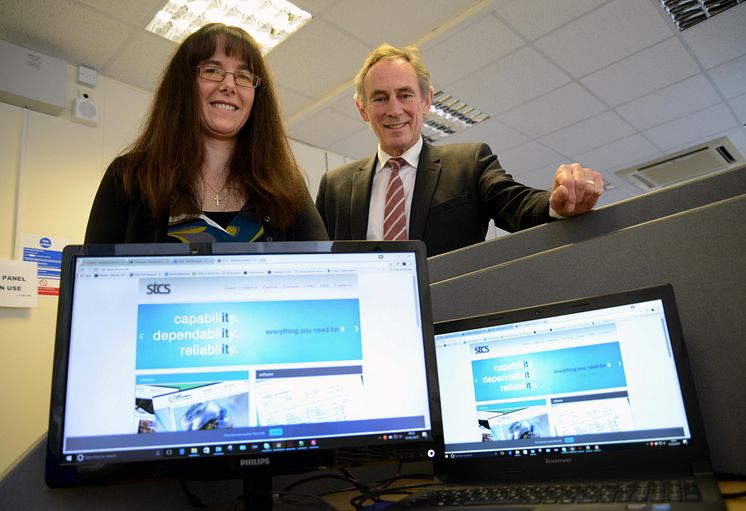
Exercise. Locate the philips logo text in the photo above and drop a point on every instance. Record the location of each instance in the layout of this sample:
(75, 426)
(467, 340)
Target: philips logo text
(253, 462)
(158, 289)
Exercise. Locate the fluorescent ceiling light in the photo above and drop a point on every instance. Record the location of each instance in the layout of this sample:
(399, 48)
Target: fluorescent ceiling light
(686, 13)
(268, 21)
(449, 115)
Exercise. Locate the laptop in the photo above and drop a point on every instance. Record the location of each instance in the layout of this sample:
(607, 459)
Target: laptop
(218, 360)
(584, 404)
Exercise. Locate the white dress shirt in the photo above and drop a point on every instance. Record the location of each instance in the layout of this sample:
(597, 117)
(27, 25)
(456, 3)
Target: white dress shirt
(381, 176)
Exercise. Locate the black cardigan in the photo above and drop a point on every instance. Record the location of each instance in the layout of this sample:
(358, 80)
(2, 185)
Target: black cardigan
(116, 218)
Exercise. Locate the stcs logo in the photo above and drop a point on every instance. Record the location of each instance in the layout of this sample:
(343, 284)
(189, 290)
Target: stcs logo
(481, 349)
(158, 289)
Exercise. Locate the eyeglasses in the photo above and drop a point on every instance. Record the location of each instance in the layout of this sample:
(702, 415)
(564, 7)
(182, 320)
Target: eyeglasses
(216, 74)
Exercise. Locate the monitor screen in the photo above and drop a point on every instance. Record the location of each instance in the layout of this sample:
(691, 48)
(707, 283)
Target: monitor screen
(229, 357)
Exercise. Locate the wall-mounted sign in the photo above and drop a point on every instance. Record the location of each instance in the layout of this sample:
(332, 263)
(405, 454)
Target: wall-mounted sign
(17, 284)
(46, 252)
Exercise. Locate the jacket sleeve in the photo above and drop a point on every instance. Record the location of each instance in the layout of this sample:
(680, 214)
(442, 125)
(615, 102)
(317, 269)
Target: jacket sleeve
(512, 205)
(308, 225)
(107, 221)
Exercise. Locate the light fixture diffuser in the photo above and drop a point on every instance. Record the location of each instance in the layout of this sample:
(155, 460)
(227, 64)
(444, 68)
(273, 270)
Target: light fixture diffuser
(449, 115)
(268, 21)
(686, 13)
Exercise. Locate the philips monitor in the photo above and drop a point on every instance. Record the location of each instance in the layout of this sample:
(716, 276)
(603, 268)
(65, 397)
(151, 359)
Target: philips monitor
(235, 360)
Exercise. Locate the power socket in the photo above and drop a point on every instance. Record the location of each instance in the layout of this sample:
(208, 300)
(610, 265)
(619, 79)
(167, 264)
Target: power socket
(87, 76)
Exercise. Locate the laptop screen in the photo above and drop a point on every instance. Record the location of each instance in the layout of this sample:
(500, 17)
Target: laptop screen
(583, 377)
(275, 351)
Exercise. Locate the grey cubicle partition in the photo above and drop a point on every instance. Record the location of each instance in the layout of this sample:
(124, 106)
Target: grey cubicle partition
(642, 208)
(701, 252)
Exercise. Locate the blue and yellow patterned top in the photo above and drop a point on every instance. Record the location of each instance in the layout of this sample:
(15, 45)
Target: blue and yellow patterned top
(207, 228)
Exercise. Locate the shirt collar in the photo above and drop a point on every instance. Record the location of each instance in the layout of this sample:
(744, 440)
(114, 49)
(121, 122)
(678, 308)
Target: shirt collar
(411, 156)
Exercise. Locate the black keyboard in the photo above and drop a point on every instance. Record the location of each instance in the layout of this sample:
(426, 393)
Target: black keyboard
(647, 491)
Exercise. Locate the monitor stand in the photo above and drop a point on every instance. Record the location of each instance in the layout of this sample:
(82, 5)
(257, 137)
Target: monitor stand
(257, 491)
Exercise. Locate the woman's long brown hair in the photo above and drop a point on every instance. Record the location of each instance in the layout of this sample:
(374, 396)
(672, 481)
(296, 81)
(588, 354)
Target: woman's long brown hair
(164, 163)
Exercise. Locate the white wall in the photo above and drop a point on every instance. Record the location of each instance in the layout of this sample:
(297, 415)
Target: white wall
(314, 162)
(50, 168)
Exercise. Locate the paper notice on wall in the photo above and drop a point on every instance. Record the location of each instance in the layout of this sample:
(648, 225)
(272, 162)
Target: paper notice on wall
(17, 284)
(46, 252)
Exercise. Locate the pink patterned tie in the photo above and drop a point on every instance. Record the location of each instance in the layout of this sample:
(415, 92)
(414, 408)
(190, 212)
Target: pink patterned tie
(394, 215)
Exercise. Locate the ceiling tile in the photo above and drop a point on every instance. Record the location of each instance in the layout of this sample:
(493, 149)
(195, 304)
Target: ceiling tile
(492, 132)
(587, 134)
(341, 103)
(291, 102)
(730, 77)
(344, 103)
(315, 7)
(527, 157)
(363, 19)
(542, 178)
(618, 154)
(137, 13)
(509, 82)
(532, 19)
(738, 105)
(609, 33)
(141, 61)
(642, 73)
(738, 136)
(679, 133)
(316, 59)
(683, 98)
(720, 38)
(445, 56)
(558, 109)
(360, 144)
(39, 22)
(323, 129)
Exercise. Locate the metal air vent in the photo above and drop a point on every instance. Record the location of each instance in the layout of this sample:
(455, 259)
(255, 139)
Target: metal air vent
(700, 160)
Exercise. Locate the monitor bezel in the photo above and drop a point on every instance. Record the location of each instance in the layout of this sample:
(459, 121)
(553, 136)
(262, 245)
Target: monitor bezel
(619, 462)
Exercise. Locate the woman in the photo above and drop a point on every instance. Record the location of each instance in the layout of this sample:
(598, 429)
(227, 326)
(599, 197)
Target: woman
(213, 162)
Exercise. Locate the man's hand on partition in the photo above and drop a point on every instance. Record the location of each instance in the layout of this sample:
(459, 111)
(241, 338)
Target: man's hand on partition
(575, 190)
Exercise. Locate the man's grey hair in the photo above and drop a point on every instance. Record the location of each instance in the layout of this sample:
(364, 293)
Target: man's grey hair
(388, 52)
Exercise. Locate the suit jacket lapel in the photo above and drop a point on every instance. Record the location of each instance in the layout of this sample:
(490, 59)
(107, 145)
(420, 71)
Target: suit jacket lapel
(362, 181)
(428, 172)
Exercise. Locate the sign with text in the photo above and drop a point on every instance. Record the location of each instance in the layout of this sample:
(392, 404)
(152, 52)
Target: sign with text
(46, 252)
(17, 284)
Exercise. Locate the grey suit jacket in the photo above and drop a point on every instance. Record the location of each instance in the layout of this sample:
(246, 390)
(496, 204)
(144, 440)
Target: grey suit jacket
(458, 188)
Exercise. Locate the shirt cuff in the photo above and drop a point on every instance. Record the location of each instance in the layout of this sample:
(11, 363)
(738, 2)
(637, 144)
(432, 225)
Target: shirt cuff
(554, 214)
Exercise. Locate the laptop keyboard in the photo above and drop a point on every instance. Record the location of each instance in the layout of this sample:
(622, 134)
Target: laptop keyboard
(646, 491)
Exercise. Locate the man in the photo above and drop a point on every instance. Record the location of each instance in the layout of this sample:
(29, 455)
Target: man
(450, 192)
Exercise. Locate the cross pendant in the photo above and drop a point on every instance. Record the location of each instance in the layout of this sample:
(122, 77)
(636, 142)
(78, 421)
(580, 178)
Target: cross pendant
(217, 199)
